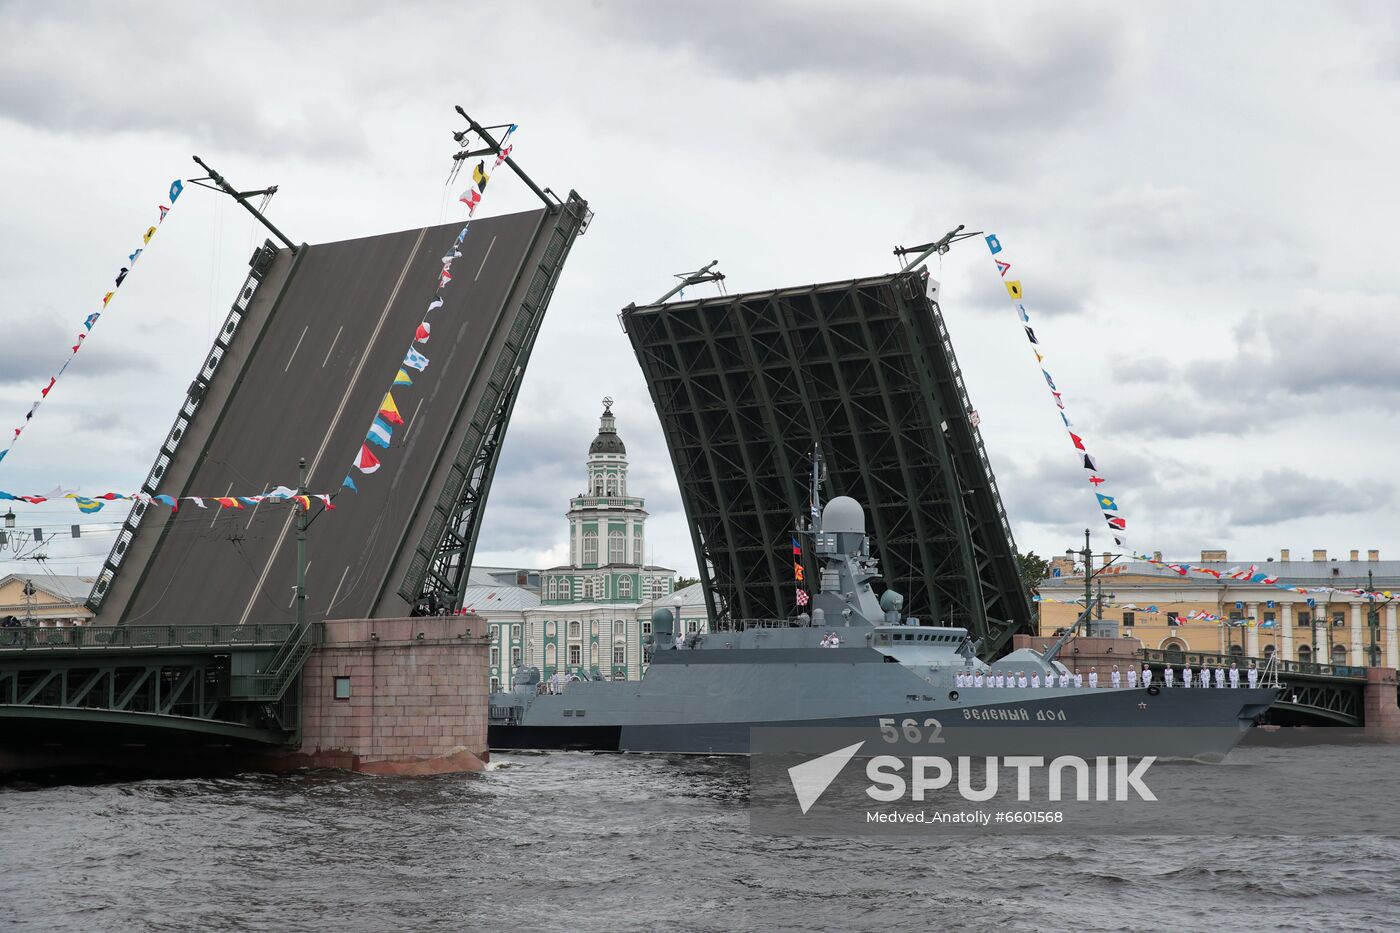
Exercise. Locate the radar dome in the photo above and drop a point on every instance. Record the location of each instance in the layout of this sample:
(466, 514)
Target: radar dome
(843, 514)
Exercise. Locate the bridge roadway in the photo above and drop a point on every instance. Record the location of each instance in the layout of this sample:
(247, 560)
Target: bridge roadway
(336, 321)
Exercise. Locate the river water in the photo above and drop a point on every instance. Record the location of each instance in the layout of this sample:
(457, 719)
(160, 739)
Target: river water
(579, 842)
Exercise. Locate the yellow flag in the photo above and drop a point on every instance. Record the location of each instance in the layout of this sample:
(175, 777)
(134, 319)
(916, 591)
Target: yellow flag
(149, 233)
(389, 411)
(1013, 288)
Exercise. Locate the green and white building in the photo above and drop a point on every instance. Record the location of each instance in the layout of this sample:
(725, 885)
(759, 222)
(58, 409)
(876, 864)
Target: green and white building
(591, 616)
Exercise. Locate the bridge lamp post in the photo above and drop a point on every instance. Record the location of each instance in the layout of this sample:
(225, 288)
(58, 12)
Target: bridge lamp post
(1373, 619)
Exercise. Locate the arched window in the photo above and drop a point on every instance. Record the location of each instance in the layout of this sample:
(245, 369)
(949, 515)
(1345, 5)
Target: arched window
(550, 654)
(1339, 654)
(575, 630)
(639, 554)
(549, 629)
(624, 587)
(597, 484)
(553, 588)
(515, 633)
(612, 484)
(1175, 648)
(590, 549)
(593, 655)
(1237, 650)
(1268, 651)
(617, 547)
(1304, 653)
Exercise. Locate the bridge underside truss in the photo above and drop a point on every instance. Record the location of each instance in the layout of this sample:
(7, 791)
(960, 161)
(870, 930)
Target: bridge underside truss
(746, 384)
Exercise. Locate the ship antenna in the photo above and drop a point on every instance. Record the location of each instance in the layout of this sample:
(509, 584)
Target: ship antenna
(818, 473)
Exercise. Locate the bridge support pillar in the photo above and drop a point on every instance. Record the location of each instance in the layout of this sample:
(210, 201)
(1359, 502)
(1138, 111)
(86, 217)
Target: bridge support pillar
(1381, 710)
(397, 696)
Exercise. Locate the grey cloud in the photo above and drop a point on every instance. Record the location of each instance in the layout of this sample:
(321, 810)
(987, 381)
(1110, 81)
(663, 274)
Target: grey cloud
(1275, 496)
(133, 71)
(45, 347)
(913, 82)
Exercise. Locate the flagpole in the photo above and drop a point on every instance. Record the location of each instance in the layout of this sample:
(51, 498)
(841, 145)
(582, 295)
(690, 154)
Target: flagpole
(301, 546)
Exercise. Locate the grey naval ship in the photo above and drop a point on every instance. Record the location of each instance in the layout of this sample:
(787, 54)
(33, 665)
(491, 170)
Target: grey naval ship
(706, 693)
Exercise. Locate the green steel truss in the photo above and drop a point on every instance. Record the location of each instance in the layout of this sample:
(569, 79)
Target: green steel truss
(234, 682)
(746, 384)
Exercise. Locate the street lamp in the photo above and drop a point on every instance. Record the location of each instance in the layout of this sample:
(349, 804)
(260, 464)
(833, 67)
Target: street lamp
(10, 519)
(1373, 618)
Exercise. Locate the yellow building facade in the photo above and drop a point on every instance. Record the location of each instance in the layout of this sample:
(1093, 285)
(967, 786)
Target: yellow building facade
(1162, 608)
(45, 599)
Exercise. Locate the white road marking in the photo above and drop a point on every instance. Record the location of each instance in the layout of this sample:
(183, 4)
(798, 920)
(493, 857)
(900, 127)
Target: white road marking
(254, 514)
(343, 574)
(411, 417)
(330, 430)
(296, 348)
(483, 259)
(334, 339)
(220, 513)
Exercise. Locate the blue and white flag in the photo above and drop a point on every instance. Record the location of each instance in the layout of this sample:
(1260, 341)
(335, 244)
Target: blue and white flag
(415, 360)
(380, 433)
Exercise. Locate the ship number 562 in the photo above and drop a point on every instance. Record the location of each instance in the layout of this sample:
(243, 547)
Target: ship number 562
(911, 731)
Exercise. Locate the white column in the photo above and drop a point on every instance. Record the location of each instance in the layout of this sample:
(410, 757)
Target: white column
(1320, 653)
(1251, 632)
(1356, 654)
(1392, 650)
(1285, 621)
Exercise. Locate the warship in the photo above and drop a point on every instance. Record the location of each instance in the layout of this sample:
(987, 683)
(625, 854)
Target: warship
(857, 662)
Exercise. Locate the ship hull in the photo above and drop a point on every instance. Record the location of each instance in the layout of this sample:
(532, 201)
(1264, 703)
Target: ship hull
(1201, 724)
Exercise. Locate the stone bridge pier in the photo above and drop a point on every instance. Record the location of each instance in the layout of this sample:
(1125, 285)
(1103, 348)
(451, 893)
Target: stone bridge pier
(396, 696)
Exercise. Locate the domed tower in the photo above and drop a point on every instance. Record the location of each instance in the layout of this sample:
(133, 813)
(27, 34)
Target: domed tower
(607, 537)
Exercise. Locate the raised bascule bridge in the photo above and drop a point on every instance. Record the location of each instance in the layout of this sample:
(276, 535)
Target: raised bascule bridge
(196, 636)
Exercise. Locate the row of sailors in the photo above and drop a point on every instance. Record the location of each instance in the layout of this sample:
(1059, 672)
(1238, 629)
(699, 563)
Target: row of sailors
(1066, 679)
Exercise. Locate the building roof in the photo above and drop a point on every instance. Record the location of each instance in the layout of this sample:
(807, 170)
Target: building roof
(605, 567)
(1346, 574)
(498, 598)
(65, 587)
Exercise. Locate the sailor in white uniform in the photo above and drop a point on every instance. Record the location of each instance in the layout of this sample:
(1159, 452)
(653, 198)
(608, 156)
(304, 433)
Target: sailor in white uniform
(978, 680)
(1220, 678)
(1132, 677)
(1146, 676)
(1169, 675)
(1115, 678)
(1035, 678)
(1078, 679)
(1186, 675)
(1094, 678)
(1021, 679)
(1205, 677)
(1050, 678)
(1064, 679)
(1253, 675)
(1001, 680)
(1234, 676)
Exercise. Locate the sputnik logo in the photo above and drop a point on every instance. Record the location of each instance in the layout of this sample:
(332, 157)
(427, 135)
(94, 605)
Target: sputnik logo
(811, 778)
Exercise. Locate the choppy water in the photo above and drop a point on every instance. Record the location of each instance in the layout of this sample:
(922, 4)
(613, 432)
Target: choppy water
(576, 842)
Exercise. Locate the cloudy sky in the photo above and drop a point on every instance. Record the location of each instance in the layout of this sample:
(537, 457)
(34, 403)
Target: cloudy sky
(1197, 197)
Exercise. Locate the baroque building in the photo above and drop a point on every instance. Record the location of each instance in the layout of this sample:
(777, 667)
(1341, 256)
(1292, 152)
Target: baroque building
(592, 616)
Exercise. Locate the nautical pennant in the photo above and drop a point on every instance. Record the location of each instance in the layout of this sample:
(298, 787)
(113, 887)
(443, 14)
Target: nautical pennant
(1014, 289)
(389, 411)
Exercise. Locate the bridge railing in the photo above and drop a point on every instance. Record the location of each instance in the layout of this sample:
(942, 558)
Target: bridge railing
(34, 638)
(1200, 658)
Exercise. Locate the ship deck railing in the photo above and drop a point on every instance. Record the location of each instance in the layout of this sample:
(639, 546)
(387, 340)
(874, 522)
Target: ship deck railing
(739, 625)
